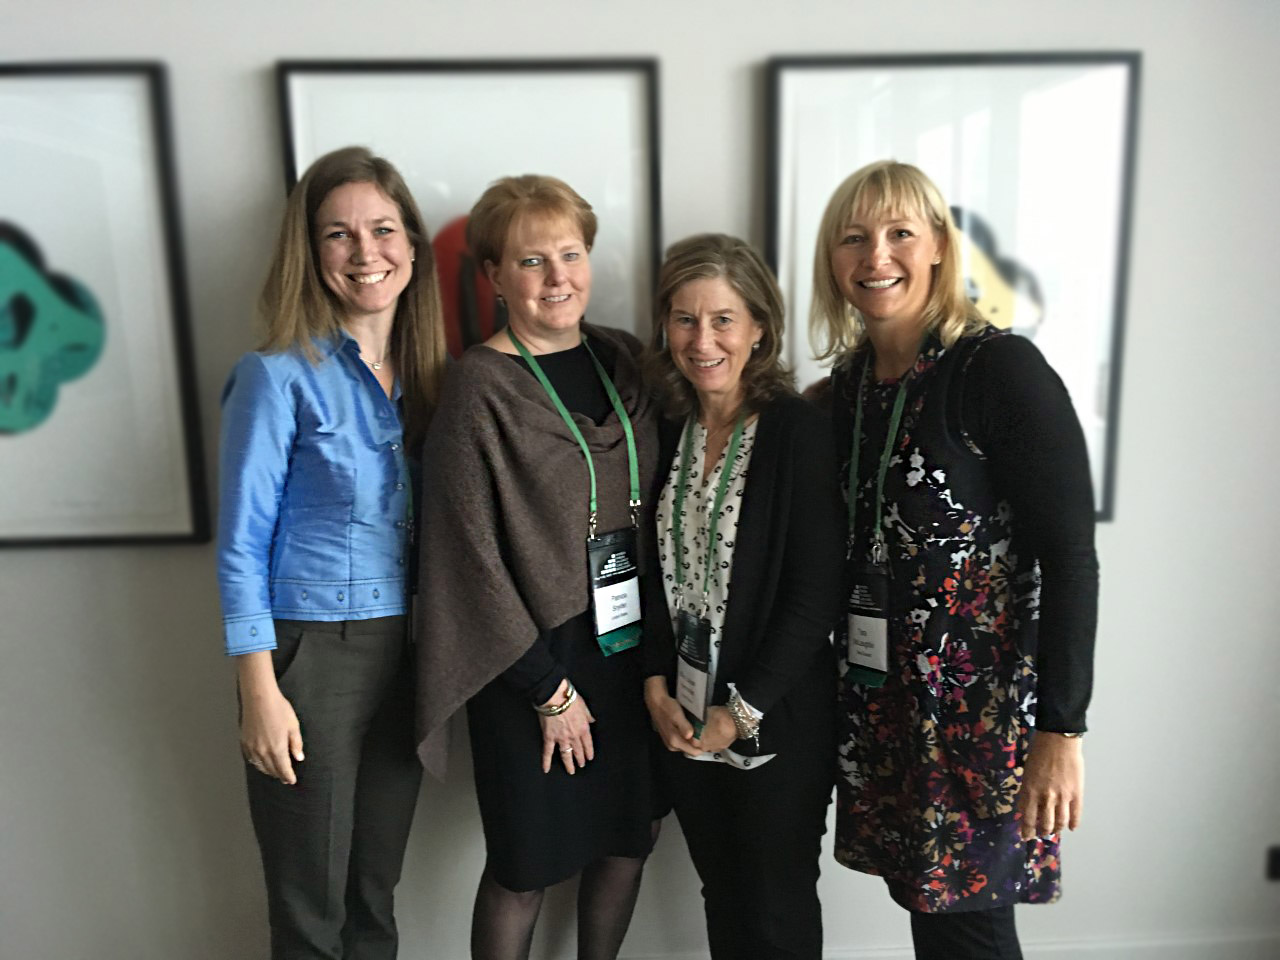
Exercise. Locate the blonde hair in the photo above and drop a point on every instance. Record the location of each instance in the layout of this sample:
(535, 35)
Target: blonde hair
(706, 256)
(887, 187)
(509, 198)
(296, 306)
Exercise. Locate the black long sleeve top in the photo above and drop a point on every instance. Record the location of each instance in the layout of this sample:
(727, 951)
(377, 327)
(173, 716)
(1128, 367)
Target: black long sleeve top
(1017, 411)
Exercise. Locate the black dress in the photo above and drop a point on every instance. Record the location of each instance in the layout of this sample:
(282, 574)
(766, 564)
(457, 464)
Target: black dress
(542, 828)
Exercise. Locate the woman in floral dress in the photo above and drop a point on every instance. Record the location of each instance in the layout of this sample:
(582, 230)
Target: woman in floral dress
(972, 576)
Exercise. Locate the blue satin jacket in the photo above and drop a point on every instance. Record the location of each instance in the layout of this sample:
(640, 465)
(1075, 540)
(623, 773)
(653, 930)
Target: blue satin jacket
(315, 513)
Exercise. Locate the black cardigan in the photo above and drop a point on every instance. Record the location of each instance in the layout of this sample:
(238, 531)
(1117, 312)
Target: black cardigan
(787, 581)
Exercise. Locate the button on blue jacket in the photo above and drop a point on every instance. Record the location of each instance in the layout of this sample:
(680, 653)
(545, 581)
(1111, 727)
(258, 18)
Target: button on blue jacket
(315, 508)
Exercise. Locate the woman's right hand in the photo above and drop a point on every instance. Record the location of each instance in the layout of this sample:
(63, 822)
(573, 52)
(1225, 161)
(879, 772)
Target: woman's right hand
(668, 717)
(568, 733)
(270, 736)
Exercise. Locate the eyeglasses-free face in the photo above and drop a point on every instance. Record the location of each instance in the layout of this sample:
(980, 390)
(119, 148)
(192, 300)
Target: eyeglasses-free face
(883, 266)
(545, 278)
(711, 333)
(364, 253)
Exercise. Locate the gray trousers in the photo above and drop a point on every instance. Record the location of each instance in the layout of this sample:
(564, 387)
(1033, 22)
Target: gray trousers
(333, 843)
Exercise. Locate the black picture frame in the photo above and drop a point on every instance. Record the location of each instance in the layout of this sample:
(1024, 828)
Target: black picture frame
(837, 113)
(118, 458)
(453, 126)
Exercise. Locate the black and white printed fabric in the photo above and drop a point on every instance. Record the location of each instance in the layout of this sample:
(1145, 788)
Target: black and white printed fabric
(698, 499)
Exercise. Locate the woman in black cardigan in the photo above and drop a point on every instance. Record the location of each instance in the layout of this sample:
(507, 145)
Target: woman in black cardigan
(741, 676)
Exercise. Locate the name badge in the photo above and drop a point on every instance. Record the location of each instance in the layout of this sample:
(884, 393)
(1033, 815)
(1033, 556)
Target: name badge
(693, 665)
(615, 589)
(868, 638)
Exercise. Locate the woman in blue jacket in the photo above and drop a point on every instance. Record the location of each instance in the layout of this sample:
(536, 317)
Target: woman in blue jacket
(319, 430)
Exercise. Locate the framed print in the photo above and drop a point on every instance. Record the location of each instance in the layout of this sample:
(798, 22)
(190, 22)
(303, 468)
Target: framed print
(99, 428)
(1035, 155)
(453, 127)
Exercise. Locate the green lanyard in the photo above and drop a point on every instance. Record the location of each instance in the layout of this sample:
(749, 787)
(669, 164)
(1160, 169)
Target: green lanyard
(722, 488)
(890, 440)
(632, 461)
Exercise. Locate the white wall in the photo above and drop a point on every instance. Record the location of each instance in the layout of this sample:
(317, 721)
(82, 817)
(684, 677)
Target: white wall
(123, 830)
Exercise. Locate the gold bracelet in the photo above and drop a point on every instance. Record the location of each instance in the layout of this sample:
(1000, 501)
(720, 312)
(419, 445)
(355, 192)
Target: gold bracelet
(570, 696)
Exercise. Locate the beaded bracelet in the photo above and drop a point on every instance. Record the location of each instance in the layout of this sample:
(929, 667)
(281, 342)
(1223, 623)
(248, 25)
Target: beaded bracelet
(570, 696)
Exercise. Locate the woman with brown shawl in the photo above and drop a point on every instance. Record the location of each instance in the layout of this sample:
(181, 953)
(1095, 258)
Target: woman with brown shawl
(529, 589)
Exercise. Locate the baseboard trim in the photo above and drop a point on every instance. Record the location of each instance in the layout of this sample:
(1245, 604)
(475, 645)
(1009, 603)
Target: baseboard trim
(1226, 947)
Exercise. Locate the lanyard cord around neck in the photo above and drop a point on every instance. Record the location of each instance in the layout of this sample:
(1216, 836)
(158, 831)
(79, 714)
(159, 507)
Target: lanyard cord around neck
(633, 465)
(722, 488)
(890, 440)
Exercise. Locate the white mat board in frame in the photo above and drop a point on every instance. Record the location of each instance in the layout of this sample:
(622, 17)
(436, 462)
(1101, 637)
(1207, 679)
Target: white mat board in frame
(99, 427)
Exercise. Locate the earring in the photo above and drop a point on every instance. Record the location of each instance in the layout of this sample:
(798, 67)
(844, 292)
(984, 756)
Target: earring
(756, 345)
(937, 261)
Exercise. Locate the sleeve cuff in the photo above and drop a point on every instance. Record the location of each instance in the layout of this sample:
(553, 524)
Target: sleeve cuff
(249, 634)
(546, 688)
(1066, 729)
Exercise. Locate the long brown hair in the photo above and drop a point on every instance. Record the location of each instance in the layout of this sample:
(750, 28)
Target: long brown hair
(296, 306)
(887, 186)
(706, 256)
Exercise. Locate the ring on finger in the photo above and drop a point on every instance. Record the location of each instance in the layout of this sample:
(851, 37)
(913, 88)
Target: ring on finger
(566, 749)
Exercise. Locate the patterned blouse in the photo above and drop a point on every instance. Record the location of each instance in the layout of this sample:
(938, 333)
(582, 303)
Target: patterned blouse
(695, 523)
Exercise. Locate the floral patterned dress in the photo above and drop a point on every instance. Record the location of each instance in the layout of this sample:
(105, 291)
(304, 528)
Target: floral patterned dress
(931, 762)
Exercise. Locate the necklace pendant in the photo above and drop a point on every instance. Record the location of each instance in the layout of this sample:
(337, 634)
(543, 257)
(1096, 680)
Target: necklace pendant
(376, 364)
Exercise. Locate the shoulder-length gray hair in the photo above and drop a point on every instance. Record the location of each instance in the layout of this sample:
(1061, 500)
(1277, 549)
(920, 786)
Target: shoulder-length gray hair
(706, 256)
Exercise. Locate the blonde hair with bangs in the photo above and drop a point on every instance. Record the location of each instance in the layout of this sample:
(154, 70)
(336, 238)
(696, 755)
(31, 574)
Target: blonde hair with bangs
(887, 187)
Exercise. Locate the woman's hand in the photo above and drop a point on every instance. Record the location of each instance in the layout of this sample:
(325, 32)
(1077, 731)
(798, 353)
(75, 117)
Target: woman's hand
(568, 733)
(1052, 794)
(673, 728)
(719, 731)
(270, 737)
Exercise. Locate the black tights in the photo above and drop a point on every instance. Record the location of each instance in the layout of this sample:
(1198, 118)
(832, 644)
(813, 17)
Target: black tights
(972, 935)
(503, 921)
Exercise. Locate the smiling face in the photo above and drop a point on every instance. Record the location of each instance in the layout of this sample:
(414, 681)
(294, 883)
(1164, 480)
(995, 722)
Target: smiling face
(883, 265)
(544, 275)
(365, 257)
(710, 333)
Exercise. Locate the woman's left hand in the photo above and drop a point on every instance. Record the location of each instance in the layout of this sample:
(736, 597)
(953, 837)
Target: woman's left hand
(567, 733)
(718, 732)
(1052, 794)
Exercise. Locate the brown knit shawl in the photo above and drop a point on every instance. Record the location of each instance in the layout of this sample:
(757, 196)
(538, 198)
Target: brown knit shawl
(504, 521)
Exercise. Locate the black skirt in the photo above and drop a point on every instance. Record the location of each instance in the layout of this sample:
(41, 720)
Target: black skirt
(542, 828)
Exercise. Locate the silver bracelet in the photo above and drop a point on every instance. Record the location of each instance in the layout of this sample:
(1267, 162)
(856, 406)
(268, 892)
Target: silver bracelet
(747, 726)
